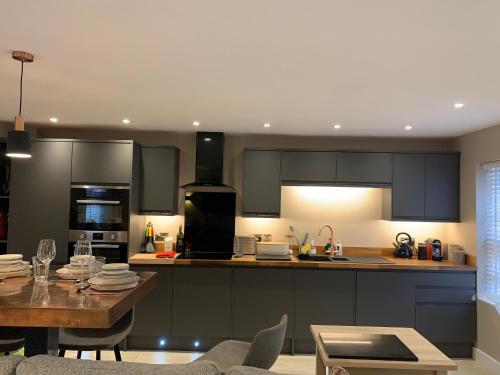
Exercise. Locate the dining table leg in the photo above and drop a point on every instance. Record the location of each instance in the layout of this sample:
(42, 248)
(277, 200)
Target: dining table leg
(41, 341)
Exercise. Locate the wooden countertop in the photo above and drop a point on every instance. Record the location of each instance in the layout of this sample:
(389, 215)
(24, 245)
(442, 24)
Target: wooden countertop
(250, 261)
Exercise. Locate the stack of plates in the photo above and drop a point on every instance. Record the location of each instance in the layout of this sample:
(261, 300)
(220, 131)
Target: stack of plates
(12, 265)
(243, 245)
(114, 277)
(73, 270)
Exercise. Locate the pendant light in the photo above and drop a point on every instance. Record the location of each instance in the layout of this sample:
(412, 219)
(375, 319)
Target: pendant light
(19, 140)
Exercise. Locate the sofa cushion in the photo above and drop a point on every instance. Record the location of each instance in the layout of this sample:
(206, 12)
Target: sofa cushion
(246, 370)
(48, 365)
(8, 364)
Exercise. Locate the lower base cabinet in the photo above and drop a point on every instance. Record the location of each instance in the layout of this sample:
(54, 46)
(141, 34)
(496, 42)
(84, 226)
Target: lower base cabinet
(153, 314)
(195, 308)
(321, 297)
(261, 297)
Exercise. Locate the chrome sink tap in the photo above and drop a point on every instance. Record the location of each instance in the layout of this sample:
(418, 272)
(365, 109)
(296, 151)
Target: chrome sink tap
(329, 244)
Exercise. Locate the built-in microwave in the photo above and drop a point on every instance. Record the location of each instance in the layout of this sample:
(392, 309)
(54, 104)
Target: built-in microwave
(99, 208)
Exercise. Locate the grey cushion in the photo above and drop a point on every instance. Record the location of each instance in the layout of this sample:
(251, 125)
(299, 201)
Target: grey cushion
(8, 364)
(96, 339)
(245, 370)
(48, 365)
(227, 354)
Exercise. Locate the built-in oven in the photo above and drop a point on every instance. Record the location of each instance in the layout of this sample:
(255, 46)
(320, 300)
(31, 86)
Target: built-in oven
(99, 208)
(111, 245)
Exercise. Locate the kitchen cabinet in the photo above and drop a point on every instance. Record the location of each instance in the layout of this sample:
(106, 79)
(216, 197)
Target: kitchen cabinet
(442, 179)
(153, 314)
(446, 310)
(201, 302)
(364, 168)
(102, 162)
(261, 296)
(321, 297)
(159, 189)
(308, 167)
(408, 187)
(385, 298)
(261, 183)
(40, 198)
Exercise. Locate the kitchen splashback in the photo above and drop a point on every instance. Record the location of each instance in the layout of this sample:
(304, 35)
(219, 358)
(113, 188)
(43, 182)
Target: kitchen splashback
(355, 213)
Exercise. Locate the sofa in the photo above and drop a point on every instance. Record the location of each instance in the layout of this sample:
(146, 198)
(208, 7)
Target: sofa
(50, 365)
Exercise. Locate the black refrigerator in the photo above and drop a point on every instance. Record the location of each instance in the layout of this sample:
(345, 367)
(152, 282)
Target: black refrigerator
(209, 224)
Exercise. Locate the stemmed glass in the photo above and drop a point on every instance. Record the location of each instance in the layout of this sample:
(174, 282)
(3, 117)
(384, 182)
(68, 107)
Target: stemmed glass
(45, 254)
(83, 251)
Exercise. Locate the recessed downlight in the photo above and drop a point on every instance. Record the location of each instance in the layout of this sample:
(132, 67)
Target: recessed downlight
(408, 127)
(458, 105)
(196, 123)
(267, 125)
(126, 121)
(53, 119)
(337, 126)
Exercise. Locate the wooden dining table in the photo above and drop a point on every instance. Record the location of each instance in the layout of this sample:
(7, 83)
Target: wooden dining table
(42, 309)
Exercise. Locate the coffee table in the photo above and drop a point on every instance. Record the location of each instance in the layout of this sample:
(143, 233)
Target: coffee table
(431, 361)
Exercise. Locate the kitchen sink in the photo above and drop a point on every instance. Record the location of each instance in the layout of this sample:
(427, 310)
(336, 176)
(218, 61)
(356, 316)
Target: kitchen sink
(339, 259)
(349, 259)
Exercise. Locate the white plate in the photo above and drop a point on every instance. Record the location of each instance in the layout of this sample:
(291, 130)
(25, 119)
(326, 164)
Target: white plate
(114, 288)
(16, 274)
(14, 267)
(6, 263)
(71, 271)
(10, 257)
(114, 267)
(115, 281)
(116, 275)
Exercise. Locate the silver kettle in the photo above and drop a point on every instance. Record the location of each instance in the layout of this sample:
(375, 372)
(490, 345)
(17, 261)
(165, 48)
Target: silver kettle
(403, 247)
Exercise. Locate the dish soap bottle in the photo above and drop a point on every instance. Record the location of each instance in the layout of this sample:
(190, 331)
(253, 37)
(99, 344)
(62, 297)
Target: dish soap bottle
(312, 251)
(338, 249)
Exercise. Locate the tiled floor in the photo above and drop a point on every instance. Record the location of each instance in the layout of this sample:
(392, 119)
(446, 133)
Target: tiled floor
(296, 365)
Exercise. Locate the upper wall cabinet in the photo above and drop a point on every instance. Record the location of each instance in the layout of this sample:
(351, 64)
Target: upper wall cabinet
(442, 181)
(159, 180)
(308, 167)
(261, 183)
(408, 189)
(426, 187)
(367, 168)
(102, 162)
(40, 195)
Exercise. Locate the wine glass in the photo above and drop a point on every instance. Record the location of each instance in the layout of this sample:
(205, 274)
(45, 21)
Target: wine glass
(83, 251)
(46, 251)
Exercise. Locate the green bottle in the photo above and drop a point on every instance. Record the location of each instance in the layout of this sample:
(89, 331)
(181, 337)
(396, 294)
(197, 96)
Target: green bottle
(179, 247)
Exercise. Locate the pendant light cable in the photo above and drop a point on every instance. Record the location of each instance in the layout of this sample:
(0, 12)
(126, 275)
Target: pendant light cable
(21, 89)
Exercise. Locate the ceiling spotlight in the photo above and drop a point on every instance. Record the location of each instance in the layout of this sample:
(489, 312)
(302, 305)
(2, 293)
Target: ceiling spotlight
(196, 123)
(126, 121)
(408, 127)
(458, 105)
(337, 126)
(53, 119)
(267, 125)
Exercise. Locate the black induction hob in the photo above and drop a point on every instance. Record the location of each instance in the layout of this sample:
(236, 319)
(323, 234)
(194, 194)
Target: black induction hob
(366, 346)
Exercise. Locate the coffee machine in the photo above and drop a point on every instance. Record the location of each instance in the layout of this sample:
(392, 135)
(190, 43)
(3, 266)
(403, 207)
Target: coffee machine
(436, 249)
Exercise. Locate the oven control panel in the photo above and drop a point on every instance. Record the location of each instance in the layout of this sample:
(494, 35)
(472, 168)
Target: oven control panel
(98, 236)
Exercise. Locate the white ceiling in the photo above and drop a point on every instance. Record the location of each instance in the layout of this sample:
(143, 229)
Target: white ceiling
(302, 65)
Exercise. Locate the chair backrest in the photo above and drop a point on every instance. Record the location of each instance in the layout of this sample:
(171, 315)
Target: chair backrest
(266, 346)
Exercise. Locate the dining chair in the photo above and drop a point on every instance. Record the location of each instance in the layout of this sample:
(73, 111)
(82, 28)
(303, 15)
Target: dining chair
(85, 340)
(11, 339)
(262, 352)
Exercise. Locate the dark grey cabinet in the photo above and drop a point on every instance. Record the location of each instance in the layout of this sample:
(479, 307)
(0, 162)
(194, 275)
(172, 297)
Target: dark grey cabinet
(261, 297)
(370, 168)
(385, 298)
(321, 297)
(201, 302)
(159, 180)
(442, 179)
(40, 197)
(261, 183)
(102, 162)
(408, 187)
(308, 167)
(153, 314)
